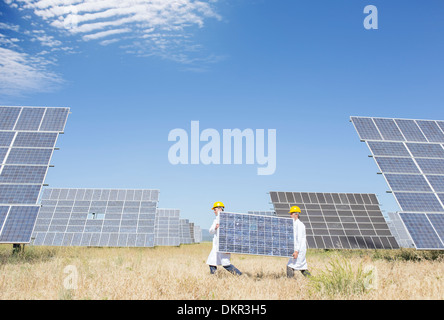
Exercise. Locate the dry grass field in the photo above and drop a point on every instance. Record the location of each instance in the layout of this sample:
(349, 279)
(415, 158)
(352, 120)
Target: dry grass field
(181, 273)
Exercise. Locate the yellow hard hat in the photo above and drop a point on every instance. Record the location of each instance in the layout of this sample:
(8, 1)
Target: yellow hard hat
(218, 204)
(295, 209)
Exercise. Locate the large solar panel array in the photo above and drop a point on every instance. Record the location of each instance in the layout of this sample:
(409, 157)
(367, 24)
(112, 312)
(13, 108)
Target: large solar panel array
(27, 140)
(255, 234)
(338, 220)
(167, 227)
(97, 217)
(410, 155)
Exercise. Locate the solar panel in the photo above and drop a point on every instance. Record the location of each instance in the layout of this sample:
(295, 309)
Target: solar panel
(338, 220)
(399, 231)
(167, 228)
(197, 234)
(97, 217)
(27, 140)
(255, 234)
(185, 231)
(422, 231)
(413, 168)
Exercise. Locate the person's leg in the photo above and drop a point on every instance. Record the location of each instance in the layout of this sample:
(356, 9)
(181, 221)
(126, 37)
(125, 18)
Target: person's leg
(290, 272)
(306, 273)
(233, 269)
(213, 269)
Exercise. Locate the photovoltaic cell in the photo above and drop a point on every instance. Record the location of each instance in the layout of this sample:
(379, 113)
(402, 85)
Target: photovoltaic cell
(29, 156)
(421, 230)
(366, 129)
(255, 234)
(418, 202)
(431, 130)
(410, 130)
(30, 119)
(437, 182)
(394, 149)
(426, 150)
(407, 182)
(8, 117)
(437, 221)
(389, 129)
(55, 119)
(19, 224)
(431, 166)
(339, 220)
(396, 165)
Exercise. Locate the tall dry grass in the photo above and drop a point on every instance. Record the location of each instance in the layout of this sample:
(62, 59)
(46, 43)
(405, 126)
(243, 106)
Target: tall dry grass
(181, 273)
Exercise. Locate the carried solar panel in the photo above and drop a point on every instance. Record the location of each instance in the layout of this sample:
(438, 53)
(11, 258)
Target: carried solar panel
(255, 234)
(412, 167)
(27, 140)
(338, 220)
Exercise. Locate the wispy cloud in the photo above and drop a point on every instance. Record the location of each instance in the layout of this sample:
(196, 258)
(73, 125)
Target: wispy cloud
(144, 28)
(95, 19)
(20, 73)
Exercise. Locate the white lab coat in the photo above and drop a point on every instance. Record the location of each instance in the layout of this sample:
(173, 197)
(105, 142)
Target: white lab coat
(300, 245)
(217, 258)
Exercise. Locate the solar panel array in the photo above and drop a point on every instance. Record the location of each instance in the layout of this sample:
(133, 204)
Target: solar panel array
(186, 235)
(97, 217)
(255, 234)
(338, 220)
(27, 140)
(197, 234)
(167, 227)
(410, 155)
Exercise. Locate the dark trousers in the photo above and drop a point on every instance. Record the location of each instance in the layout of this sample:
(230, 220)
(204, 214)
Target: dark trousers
(229, 268)
(290, 272)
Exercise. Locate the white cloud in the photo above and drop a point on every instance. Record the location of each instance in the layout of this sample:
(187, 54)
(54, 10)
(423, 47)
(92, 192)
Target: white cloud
(21, 73)
(145, 28)
(104, 34)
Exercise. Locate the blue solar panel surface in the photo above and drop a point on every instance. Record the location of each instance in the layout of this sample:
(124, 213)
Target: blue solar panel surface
(256, 234)
(27, 140)
(422, 231)
(413, 169)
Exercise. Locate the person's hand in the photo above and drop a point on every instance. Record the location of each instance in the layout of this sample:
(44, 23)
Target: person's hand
(217, 226)
(295, 254)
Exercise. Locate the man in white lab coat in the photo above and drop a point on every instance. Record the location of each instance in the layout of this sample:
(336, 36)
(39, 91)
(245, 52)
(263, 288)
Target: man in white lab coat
(217, 258)
(298, 261)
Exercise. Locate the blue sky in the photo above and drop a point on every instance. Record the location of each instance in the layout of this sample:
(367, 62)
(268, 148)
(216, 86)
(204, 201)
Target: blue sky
(131, 71)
